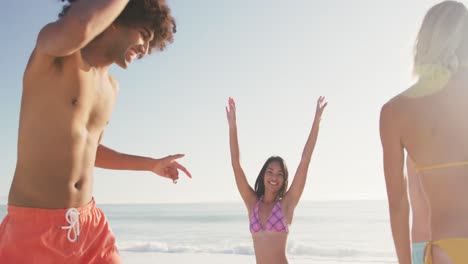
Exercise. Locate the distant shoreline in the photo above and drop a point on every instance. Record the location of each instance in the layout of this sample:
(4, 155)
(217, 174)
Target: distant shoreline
(4, 200)
(237, 202)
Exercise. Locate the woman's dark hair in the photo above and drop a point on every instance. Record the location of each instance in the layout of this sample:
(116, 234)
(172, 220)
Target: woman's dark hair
(155, 13)
(260, 182)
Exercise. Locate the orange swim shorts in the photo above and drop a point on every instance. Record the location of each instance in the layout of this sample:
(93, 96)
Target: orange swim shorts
(75, 235)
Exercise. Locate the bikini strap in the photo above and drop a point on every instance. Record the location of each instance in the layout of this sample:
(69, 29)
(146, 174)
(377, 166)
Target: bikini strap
(427, 257)
(440, 166)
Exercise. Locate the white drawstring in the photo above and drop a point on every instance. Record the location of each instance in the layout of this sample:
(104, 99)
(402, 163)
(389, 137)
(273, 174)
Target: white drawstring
(72, 217)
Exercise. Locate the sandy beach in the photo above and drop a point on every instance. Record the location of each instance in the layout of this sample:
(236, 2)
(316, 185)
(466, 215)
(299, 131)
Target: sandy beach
(173, 258)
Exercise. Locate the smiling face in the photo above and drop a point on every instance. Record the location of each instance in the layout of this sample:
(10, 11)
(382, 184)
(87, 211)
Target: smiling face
(129, 43)
(143, 26)
(274, 177)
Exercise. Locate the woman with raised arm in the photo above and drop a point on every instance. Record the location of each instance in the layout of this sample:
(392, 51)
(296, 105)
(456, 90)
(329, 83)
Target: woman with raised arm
(429, 121)
(270, 205)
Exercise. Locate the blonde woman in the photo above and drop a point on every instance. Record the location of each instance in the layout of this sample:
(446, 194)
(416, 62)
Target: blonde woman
(429, 120)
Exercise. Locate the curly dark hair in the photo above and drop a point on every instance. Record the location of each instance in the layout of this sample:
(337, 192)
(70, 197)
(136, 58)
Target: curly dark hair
(259, 183)
(153, 12)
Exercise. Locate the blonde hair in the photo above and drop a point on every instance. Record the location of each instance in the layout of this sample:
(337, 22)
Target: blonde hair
(443, 32)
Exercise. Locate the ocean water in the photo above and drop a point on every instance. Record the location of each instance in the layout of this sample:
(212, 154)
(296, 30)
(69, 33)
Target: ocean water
(321, 232)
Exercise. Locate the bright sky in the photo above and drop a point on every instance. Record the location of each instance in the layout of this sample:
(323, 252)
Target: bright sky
(275, 58)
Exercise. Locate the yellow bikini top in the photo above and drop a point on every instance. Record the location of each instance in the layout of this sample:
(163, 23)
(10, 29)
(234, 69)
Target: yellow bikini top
(440, 166)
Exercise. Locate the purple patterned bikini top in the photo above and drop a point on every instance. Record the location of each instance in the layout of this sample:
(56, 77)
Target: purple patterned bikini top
(276, 222)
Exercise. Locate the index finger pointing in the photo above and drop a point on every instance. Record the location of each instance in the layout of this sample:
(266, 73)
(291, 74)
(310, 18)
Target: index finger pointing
(182, 168)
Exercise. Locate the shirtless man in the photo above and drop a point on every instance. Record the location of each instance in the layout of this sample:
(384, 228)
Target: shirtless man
(420, 227)
(68, 98)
